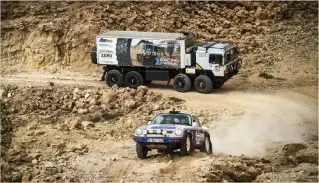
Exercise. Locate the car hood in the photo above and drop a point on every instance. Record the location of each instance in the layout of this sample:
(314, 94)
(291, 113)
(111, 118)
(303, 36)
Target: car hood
(164, 127)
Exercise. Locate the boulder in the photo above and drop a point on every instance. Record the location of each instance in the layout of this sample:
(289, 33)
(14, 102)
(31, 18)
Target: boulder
(307, 156)
(292, 149)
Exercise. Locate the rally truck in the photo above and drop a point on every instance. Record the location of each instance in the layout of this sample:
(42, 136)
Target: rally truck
(170, 131)
(134, 58)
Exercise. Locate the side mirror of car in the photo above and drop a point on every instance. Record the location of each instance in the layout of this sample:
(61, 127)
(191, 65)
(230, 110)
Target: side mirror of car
(195, 124)
(149, 122)
(205, 127)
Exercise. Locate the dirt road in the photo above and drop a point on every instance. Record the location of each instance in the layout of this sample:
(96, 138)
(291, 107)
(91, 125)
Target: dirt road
(241, 122)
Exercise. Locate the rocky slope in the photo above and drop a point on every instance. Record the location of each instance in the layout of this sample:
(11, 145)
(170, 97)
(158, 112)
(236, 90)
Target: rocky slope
(277, 38)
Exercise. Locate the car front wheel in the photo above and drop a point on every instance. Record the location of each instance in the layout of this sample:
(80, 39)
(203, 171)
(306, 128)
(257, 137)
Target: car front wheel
(186, 146)
(141, 151)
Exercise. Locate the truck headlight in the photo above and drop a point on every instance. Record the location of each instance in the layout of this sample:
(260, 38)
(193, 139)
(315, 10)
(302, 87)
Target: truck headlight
(178, 132)
(138, 131)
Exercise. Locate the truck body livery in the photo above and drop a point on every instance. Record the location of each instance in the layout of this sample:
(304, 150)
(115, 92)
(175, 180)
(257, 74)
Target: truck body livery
(135, 58)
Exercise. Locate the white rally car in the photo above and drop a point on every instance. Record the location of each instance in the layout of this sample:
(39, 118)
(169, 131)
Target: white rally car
(170, 131)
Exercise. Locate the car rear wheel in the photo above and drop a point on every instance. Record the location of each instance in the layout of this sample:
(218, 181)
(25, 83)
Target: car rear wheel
(186, 146)
(141, 151)
(207, 146)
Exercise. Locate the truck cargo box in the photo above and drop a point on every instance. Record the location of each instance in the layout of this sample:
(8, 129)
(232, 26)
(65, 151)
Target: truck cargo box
(141, 49)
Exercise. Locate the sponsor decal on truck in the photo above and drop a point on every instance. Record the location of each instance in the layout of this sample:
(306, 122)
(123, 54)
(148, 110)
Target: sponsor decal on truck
(139, 52)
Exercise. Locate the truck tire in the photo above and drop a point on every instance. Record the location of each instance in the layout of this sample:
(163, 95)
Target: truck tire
(141, 151)
(114, 77)
(186, 146)
(207, 146)
(133, 79)
(123, 52)
(182, 83)
(203, 84)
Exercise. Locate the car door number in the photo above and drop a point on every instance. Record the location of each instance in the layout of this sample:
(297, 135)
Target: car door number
(199, 137)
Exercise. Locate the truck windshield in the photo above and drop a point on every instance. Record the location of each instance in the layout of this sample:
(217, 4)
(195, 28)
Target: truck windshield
(231, 54)
(215, 59)
(176, 119)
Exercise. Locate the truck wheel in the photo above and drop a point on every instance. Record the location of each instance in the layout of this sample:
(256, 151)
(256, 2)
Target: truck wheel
(133, 79)
(203, 84)
(141, 151)
(182, 83)
(186, 145)
(114, 77)
(207, 146)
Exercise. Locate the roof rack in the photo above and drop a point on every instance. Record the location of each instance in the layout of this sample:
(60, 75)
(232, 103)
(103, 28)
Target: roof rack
(209, 44)
(173, 111)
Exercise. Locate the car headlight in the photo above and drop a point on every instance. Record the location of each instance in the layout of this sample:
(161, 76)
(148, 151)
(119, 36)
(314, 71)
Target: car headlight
(178, 132)
(158, 131)
(138, 131)
(164, 132)
(144, 132)
(151, 130)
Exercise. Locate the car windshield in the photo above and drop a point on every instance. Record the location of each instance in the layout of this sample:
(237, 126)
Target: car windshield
(176, 119)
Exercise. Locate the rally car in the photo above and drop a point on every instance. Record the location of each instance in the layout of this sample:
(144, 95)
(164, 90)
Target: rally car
(171, 131)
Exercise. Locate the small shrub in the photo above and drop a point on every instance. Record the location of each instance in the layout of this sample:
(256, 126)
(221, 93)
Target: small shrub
(266, 76)
(176, 99)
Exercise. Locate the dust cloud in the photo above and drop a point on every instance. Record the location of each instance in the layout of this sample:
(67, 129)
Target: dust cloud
(266, 122)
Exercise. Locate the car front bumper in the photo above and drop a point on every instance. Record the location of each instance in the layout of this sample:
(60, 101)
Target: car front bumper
(158, 140)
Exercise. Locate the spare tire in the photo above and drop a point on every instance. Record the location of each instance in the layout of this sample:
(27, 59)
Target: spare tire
(93, 55)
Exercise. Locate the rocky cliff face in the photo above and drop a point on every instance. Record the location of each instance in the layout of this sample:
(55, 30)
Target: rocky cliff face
(39, 34)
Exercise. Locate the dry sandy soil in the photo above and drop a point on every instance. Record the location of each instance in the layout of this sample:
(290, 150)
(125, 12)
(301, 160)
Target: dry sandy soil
(60, 123)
